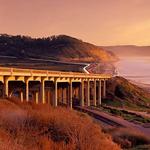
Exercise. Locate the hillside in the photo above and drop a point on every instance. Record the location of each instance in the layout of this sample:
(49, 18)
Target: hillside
(129, 50)
(122, 93)
(62, 47)
(26, 126)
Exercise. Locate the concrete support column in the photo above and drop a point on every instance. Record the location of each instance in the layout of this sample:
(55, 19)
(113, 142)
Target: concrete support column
(48, 97)
(64, 96)
(88, 93)
(43, 91)
(82, 92)
(21, 96)
(55, 94)
(6, 87)
(76, 92)
(104, 88)
(94, 96)
(36, 97)
(27, 90)
(61, 95)
(99, 93)
(70, 94)
(67, 95)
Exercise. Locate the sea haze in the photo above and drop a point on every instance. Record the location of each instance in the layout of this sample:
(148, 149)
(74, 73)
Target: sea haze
(134, 68)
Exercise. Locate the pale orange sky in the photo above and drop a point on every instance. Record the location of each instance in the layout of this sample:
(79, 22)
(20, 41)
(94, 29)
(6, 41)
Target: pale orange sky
(102, 22)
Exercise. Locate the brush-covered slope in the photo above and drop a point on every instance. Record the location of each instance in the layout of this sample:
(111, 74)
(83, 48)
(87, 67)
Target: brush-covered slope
(125, 94)
(60, 47)
(25, 126)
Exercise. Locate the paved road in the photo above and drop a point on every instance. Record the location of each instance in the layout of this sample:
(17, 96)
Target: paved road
(85, 68)
(54, 61)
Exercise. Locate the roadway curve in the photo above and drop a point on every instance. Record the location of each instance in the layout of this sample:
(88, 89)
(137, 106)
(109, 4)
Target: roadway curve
(84, 68)
(53, 61)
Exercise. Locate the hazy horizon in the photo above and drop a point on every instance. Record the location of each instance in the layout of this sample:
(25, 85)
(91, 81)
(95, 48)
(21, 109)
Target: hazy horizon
(135, 69)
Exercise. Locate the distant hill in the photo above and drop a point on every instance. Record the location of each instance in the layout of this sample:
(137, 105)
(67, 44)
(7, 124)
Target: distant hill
(62, 47)
(128, 50)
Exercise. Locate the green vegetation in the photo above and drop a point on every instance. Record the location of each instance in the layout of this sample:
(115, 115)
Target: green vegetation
(127, 115)
(147, 100)
(122, 93)
(140, 147)
(60, 47)
(129, 139)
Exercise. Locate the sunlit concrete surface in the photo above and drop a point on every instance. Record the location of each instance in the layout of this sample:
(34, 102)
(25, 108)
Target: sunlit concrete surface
(53, 87)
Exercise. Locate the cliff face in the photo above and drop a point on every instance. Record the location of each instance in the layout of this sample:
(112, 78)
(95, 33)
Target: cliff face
(61, 47)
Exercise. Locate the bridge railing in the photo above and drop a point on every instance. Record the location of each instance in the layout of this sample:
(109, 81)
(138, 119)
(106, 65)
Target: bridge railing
(33, 72)
(6, 71)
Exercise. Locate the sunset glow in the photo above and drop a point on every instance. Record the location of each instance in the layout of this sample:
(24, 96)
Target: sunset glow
(103, 22)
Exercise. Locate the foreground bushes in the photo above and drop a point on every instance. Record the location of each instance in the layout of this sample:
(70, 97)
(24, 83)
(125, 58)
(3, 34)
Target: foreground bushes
(128, 138)
(39, 127)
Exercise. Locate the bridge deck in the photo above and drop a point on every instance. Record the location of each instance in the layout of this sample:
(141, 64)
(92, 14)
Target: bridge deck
(45, 73)
(86, 84)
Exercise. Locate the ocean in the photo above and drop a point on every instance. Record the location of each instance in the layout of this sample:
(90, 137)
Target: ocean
(134, 68)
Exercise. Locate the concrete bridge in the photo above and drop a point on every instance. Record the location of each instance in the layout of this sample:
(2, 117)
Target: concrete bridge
(53, 87)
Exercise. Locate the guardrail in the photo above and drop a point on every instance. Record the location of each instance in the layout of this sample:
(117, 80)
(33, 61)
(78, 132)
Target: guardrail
(34, 72)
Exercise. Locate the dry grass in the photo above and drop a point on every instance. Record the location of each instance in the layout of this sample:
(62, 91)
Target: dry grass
(127, 137)
(40, 127)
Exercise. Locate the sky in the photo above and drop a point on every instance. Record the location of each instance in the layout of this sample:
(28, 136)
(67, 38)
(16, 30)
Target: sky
(102, 22)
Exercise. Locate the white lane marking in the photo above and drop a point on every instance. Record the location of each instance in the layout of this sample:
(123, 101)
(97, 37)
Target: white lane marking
(85, 70)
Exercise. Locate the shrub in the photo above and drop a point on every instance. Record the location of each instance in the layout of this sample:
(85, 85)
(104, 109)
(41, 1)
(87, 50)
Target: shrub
(40, 127)
(128, 138)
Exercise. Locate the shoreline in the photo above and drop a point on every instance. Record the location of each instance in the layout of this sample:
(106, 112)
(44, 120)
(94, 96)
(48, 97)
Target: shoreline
(141, 85)
(125, 68)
